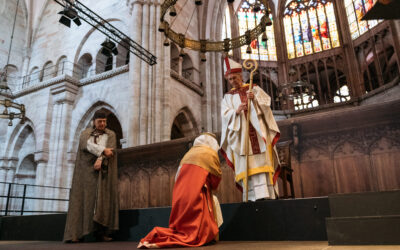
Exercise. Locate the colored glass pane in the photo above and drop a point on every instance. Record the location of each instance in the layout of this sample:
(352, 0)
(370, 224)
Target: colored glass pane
(355, 10)
(248, 20)
(333, 31)
(310, 27)
(314, 28)
(289, 37)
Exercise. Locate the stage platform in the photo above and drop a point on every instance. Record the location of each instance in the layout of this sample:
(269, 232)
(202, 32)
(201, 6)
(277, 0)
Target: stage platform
(222, 245)
(371, 218)
(277, 220)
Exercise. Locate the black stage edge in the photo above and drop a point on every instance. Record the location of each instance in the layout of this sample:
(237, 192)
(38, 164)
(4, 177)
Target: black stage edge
(370, 218)
(293, 219)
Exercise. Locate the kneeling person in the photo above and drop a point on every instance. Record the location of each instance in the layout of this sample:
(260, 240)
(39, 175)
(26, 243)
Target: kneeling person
(194, 214)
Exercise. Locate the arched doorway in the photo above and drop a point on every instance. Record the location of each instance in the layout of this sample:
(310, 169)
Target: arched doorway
(113, 124)
(183, 125)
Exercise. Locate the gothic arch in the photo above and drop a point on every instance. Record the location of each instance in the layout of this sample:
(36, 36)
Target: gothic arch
(174, 57)
(85, 122)
(103, 63)
(26, 170)
(48, 71)
(17, 137)
(61, 65)
(122, 27)
(123, 54)
(187, 68)
(82, 69)
(183, 124)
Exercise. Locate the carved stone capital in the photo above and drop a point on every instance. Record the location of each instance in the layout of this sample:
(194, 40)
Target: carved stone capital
(64, 92)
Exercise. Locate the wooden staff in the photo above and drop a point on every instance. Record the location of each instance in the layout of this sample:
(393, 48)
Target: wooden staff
(248, 64)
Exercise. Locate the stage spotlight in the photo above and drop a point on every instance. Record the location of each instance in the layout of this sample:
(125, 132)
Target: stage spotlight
(67, 15)
(108, 48)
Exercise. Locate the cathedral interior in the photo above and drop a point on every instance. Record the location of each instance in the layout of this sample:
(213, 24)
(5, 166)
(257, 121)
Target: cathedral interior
(333, 78)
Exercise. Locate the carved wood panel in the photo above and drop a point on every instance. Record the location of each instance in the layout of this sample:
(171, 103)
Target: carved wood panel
(385, 159)
(355, 160)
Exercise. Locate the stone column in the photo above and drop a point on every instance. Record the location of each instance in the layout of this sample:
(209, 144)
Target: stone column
(152, 80)
(219, 94)
(159, 72)
(145, 78)
(10, 179)
(40, 192)
(3, 187)
(134, 75)
(63, 95)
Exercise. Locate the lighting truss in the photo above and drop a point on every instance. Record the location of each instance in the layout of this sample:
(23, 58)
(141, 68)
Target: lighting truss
(109, 30)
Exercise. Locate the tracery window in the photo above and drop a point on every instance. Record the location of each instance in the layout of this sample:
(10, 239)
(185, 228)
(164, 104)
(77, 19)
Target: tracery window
(342, 94)
(310, 27)
(356, 9)
(247, 20)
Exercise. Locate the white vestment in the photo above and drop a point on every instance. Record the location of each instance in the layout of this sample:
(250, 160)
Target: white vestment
(263, 135)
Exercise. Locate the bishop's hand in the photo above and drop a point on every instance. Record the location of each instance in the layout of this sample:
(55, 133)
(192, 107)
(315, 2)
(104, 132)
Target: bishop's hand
(242, 106)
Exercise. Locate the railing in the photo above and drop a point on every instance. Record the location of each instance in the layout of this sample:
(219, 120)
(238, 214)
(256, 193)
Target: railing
(20, 199)
(64, 68)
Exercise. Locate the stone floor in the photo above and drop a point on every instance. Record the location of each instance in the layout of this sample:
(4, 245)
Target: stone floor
(224, 245)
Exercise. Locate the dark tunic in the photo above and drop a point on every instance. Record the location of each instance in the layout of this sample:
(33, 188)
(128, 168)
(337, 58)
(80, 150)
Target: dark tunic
(94, 194)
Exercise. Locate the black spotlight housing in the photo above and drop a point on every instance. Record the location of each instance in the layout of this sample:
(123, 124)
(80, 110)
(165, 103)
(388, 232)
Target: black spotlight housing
(198, 2)
(109, 47)
(230, 1)
(67, 15)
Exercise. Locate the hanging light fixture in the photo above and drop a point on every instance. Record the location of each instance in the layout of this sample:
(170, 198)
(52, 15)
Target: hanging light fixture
(207, 46)
(203, 57)
(248, 50)
(264, 37)
(166, 42)
(109, 47)
(172, 11)
(198, 2)
(181, 53)
(12, 109)
(68, 15)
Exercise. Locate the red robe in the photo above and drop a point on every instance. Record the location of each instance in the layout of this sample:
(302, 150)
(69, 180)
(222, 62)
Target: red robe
(192, 221)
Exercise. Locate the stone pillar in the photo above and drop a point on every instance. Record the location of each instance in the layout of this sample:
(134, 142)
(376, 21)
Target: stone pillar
(165, 95)
(134, 69)
(10, 179)
(25, 65)
(40, 192)
(145, 78)
(3, 187)
(219, 89)
(152, 80)
(63, 95)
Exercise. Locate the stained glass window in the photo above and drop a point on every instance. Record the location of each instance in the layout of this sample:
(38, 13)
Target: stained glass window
(342, 95)
(305, 101)
(247, 21)
(310, 27)
(356, 9)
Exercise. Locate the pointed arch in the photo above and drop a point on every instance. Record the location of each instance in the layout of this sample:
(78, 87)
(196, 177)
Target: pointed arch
(184, 124)
(61, 65)
(18, 136)
(86, 117)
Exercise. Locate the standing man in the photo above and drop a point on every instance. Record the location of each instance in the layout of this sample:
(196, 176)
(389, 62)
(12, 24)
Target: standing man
(195, 214)
(263, 135)
(93, 202)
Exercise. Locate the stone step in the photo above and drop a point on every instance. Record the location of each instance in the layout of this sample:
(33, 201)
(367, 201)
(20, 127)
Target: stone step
(365, 204)
(364, 230)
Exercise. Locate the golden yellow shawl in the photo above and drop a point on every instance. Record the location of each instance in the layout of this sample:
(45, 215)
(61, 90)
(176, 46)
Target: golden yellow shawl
(204, 157)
